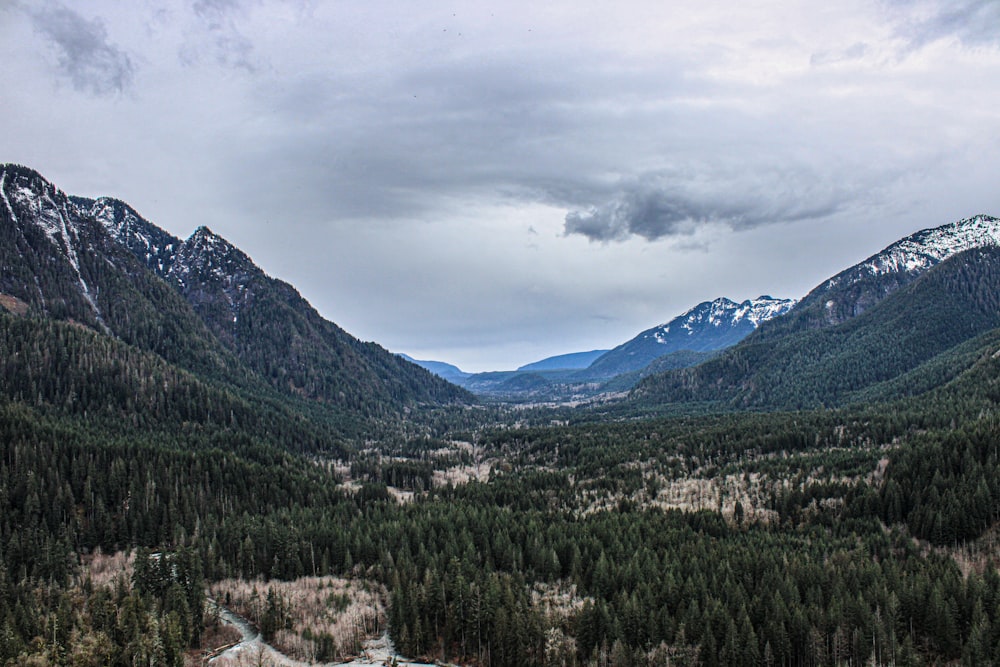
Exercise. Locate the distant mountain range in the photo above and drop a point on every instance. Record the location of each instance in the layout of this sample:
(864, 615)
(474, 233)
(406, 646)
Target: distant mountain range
(449, 372)
(709, 326)
(206, 310)
(721, 350)
(571, 361)
(687, 339)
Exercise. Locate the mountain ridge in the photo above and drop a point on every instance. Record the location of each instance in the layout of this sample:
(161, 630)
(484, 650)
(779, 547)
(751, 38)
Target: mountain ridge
(860, 286)
(568, 361)
(110, 269)
(942, 307)
(706, 327)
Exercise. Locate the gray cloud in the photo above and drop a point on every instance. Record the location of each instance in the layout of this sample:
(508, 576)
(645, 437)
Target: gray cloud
(854, 52)
(86, 56)
(221, 40)
(973, 22)
(391, 158)
(404, 143)
(659, 206)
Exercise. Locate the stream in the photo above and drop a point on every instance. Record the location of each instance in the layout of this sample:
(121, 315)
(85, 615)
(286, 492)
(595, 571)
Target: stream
(253, 651)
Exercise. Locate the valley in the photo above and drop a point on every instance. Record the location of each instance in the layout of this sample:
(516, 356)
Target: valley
(794, 482)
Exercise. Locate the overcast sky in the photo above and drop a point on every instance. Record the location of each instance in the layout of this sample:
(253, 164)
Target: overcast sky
(492, 183)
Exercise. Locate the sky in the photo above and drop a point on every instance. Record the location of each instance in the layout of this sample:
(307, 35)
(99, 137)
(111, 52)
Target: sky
(492, 183)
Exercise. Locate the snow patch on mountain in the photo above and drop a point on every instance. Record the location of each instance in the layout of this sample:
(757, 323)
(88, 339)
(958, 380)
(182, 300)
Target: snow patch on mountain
(58, 224)
(924, 249)
(3, 193)
(719, 313)
(143, 239)
(130, 230)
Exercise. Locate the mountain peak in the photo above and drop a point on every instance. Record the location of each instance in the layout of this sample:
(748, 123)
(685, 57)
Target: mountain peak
(207, 240)
(857, 288)
(709, 326)
(922, 250)
(723, 312)
(211, 255)
(201, 303)
(203, 232)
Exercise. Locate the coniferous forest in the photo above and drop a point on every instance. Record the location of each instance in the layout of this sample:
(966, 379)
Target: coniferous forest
(825, 494)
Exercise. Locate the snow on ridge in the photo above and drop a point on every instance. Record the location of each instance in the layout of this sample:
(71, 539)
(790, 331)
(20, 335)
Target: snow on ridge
(103, 211)
(725, 312)
(925, 248)
(55, 221)
(3, 193)
(766, 308)
(133, 232)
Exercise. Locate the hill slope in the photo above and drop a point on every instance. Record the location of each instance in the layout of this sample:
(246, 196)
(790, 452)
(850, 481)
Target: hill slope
(449, 372)
(573, 360)
(201, 303)
(858, 288)
(947, 305)
(61, 264)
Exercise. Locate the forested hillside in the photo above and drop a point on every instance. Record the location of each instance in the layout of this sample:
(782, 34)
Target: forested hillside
(268, 324)
(201, 304)
(949, 304)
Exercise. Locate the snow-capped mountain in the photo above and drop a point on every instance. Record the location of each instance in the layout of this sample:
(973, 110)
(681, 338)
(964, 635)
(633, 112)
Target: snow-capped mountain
(711, 325)
(211, 273)
(58, 261)
(922, 250)
(721, 316)
(858, 288)
(34, 205)
(147, 242)
(903, 344)
(201, 303)
(269, 325)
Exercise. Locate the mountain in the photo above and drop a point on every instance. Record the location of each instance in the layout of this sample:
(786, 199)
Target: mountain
(858, 288)
(709, 326)
(571, 361)
(60, 263)
(686, 340)
(936, 309)
(449, 372)
(153, 246)
(268, 324)
(201, 303)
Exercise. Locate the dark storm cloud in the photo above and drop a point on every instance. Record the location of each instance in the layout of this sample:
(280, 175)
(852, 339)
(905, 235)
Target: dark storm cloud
(973, 22)
(92, 63)
(659, 206)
